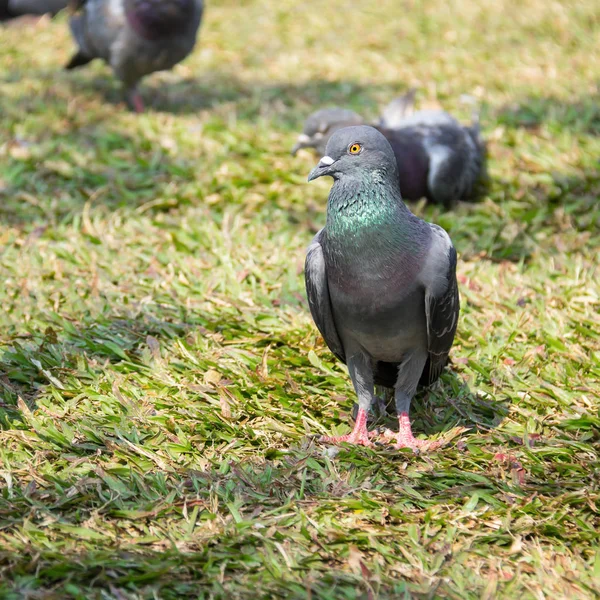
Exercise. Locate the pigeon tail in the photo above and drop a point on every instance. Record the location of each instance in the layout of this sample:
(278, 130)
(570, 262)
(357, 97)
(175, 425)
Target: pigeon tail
(397, 110)
(475, 120)
(475, 113)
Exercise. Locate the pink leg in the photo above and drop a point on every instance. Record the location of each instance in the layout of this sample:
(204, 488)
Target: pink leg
(359, 434)
(404, 438)
(137, 102)
(134, 100)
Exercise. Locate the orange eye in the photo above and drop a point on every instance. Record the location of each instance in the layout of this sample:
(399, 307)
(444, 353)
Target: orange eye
(354, 148)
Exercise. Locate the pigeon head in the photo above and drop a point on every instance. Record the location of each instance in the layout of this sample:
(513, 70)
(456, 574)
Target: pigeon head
(353, 152)
(319, 127)
(153, 19)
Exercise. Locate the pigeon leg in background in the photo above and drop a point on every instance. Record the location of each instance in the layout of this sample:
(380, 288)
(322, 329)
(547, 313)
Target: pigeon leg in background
(134, 100)
(362, 378)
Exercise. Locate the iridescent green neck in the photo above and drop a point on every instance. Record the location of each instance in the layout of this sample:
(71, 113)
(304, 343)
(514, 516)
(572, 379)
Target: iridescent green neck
(368, 202)
(370, 232)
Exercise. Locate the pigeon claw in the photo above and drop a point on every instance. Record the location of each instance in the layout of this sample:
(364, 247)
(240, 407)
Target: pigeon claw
(404, 438)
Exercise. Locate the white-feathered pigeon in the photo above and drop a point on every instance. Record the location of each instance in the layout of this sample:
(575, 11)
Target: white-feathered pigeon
(135, 37)
(438, 158)
(381, 283)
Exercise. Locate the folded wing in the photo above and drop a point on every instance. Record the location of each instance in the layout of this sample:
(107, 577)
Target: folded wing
(319, 301)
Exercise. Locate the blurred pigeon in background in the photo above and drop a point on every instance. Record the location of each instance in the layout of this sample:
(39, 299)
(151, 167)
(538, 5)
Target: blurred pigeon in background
(135, 37)
(438, 158)
(322, 124)
(381, 283)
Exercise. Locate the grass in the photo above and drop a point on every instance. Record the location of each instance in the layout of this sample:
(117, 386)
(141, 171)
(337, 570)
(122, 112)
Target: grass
(160, 376)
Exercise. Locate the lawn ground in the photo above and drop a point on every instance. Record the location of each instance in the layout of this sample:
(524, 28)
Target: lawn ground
(160, 376)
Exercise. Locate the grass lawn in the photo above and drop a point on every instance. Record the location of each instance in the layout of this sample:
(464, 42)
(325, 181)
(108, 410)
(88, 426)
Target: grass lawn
(161, 380)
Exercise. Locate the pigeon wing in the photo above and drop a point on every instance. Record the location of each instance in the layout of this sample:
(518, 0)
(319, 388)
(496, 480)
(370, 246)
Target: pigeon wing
(442, 303)
(319, 301)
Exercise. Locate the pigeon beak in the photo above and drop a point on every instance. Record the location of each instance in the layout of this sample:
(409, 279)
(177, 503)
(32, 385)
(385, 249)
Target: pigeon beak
(304, 141)
(322, 168)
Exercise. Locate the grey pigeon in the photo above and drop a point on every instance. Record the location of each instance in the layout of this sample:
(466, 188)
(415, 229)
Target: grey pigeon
(381, 283)
(135, 37)
(438, 158)
(322, 124)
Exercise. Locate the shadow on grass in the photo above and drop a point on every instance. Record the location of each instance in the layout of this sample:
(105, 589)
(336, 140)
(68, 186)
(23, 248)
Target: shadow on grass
(437, 409)
(451, 403)
(13, 391)
(182, 533)
(509, 224)
(579, 114)
(50, 178)
(290, 103)
(75, 358)
(167, 92)
(46, 181)
(168, 574)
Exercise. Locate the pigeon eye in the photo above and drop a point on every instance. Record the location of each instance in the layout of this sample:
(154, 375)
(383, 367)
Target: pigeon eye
(354, 148)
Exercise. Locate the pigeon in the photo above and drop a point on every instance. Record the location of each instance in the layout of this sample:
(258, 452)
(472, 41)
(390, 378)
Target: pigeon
(16, 8)
(135, 37)
(381, 283)
(321, 125)
(438, 158)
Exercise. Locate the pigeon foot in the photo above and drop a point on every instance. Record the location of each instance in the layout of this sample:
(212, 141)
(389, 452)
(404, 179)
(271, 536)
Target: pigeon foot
(359, 436)
(404, 437)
